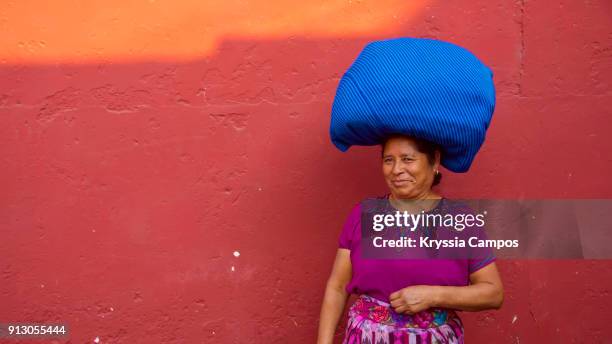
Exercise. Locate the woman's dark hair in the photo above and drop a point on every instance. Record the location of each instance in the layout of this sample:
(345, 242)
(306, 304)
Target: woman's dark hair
(426, 147)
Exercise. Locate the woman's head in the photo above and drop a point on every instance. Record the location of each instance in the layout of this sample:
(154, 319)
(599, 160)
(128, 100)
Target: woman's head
(410, 166)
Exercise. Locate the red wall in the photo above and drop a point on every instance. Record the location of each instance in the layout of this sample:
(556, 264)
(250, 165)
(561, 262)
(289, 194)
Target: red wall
(144, 142)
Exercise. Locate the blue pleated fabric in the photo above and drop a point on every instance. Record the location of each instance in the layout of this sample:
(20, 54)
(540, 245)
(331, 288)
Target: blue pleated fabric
(419, 87)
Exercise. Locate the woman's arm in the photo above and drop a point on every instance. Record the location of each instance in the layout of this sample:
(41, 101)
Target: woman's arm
(484, 292)
(335, 296)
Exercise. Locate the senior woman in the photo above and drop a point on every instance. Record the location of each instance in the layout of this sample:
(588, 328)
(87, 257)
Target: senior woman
(428, 103)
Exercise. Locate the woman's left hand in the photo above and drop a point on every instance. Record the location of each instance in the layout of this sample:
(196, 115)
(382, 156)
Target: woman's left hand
(413, 299)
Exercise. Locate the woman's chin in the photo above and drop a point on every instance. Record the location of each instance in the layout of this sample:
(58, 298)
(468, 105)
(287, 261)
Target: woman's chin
(402, 192)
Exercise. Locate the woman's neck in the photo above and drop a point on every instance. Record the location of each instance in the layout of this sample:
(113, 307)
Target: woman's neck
(424, 202)
(428, 195)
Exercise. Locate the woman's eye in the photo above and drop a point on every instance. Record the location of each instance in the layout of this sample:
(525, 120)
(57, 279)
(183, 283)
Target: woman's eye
(407, 159)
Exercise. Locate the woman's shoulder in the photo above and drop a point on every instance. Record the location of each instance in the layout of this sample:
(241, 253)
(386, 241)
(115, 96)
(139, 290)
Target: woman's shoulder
(380, 197)
(374, 203)
(457, 206)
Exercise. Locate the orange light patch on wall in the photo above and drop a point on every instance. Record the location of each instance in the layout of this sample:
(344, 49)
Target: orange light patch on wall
(66, 31)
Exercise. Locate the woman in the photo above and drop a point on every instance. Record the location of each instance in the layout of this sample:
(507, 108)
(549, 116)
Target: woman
(429, 103)
(400, 301)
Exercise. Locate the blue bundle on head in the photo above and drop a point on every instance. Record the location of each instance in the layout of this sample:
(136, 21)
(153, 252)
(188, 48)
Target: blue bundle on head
(423, 88)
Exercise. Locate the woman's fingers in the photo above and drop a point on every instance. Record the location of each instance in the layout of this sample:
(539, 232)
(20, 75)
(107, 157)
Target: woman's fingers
(395, 295)
(405, 309)
(400, 309)
(397, 303)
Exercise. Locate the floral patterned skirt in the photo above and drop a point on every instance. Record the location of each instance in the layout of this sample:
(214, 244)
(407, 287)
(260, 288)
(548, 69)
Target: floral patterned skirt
(372, 321)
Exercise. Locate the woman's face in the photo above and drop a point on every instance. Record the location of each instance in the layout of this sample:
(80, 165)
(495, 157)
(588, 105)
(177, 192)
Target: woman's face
(407, 171)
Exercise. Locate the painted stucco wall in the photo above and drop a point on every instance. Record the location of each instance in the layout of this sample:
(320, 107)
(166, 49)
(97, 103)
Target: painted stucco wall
(167, 174)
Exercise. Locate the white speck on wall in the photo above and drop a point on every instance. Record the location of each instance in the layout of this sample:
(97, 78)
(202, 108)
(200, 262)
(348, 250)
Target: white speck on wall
(112, 309)
(259, 189)
(93, 230)
(236, 254)
(97, 340)
(514, 319)
(233, 268)
(213, 332)
(42, 285)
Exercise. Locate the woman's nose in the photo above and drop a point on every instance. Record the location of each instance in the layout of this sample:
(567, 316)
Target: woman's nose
(397, 168)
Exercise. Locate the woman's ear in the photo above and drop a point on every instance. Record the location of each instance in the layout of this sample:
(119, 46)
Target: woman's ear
(437, 162)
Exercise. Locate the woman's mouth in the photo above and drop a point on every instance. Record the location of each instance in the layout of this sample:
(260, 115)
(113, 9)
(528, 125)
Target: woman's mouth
(402, 182)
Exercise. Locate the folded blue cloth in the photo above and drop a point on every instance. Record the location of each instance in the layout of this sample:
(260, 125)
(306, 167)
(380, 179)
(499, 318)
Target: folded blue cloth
(419, 87)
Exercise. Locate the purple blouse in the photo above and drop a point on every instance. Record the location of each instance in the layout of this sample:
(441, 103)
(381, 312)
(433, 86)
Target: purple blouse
(381, 277)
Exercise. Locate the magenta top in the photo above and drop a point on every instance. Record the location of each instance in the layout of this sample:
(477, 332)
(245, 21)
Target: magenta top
(380, 277)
